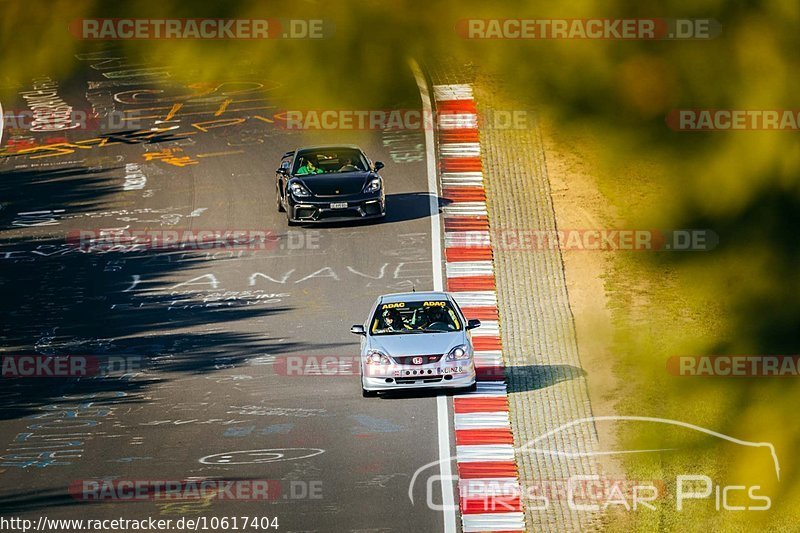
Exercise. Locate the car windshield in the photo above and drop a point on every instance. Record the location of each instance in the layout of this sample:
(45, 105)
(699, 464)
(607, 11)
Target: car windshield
(335, 161)
(429, 316)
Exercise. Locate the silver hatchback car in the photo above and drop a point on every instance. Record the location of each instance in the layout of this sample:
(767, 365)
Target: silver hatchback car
(416, 340)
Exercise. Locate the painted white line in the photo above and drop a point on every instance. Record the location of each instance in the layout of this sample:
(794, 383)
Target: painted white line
(459, 149)
(449, 506)
(458, 121)
(473, 453)
(498, 357)
(491, 388)
(488, 360)
(494, 486)
(488, 393)
(471, 299)
(461, 269)
(465, 208)
(493, 522)
(457, 91)
(454, 179)
(482, 420)
(474, 238)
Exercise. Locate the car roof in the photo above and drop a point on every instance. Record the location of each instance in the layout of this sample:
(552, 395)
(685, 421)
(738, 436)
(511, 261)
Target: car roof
(330, 147)
(414, 296)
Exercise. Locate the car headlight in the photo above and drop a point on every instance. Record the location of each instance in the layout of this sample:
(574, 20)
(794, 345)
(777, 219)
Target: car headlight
(374, 185)
(375, 357)
(459, 353)
(298, 189)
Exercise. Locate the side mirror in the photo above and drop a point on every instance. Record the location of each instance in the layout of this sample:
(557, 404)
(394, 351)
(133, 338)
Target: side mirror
(358, 329)
(378, 165)
(473, 323)
(282, 171)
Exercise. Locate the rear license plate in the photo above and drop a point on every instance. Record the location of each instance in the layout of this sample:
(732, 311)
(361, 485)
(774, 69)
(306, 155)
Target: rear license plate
(339, 205)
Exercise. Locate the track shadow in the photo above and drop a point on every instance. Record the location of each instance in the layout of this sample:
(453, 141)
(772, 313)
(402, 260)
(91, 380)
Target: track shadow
(26, 191)
(72, 304)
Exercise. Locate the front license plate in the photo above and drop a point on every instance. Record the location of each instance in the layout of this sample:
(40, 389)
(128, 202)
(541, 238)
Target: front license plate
(339, 205)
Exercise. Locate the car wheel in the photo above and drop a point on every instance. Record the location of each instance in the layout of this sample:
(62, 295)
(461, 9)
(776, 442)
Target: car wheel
(471, 388)
(278, 201)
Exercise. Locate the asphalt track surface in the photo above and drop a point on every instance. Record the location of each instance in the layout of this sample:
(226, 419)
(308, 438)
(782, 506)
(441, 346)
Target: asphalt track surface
(211, 328)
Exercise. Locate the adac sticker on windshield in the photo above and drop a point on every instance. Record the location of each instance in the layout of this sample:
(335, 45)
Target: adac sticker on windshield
(434, 304)
(393, 305)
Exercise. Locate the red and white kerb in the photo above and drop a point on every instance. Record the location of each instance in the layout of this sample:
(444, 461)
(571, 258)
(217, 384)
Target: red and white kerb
(488, 477)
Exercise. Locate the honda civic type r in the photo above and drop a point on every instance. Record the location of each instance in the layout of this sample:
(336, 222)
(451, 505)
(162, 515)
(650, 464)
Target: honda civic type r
(416, 340)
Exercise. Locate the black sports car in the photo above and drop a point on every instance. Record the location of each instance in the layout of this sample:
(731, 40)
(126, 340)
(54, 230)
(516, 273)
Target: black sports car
(329, 184)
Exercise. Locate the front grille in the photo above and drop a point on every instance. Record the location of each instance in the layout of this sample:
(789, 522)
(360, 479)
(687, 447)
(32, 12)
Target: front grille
(408, 359)
(336, 213)
(404, 381)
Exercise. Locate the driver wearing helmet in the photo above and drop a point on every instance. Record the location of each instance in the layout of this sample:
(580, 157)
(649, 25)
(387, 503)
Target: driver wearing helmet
(393, 321)
(433, 315)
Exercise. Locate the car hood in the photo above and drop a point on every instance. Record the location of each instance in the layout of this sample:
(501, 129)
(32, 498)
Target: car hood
(336, 184)
(417, 343)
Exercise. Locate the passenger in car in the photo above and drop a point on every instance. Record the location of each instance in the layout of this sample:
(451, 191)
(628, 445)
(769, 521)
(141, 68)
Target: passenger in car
(308, 168)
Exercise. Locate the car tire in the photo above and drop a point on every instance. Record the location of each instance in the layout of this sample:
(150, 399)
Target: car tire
(471, 388)
(278, 201)
(368, 393)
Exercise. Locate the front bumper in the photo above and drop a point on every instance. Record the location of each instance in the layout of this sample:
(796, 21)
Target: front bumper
(315, 210)
(435, 375)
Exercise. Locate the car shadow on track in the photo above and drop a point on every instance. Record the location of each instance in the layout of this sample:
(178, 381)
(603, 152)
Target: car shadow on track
(400, 207)
(518, 378)
(420, 393)
(535, 377)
